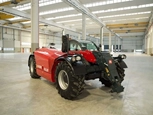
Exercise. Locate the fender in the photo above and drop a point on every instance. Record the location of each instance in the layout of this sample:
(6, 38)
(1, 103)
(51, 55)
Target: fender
(79, 68)
(123, 64)
(64, 59)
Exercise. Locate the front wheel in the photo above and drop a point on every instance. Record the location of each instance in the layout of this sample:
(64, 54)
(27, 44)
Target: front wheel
(68, 84)
(121, 71)
(32, 68)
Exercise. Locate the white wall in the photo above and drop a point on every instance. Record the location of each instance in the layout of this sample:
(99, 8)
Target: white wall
(1, 39)
(8, 40)
(25, 36)
(127, 44)
(44, 40)
(149, 41)
(23, 40)
(131, 44)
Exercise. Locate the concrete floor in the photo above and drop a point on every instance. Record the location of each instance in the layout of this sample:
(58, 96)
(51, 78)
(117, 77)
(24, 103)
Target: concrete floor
(21, 95)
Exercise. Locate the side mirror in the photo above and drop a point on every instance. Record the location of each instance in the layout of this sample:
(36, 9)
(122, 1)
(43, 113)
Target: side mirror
(52, 44)
(65, 43)
(99, 47)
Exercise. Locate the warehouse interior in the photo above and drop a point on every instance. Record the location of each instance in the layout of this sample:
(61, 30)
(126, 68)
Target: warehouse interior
(120, 26)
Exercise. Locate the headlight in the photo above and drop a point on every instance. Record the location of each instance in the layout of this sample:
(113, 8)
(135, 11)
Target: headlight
(123, 56)
(78, 58)
(73, 58)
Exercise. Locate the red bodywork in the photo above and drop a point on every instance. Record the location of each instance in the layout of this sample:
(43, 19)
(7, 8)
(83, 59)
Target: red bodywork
(46, 60)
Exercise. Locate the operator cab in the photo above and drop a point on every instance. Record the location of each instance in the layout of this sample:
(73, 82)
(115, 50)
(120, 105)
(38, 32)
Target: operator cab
(74, 45)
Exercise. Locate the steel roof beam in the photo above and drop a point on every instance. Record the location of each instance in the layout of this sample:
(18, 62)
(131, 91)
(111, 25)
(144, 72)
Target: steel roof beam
(10, 2)
(4, 16)
(14, 22)
(28, 16)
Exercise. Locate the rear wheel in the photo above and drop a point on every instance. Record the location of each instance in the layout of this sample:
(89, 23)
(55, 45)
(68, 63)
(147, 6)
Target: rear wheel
(32, 68)
(68, 85)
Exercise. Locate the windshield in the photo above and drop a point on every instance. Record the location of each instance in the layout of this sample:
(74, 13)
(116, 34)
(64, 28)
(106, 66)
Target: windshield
(88, 45)
(82, 45)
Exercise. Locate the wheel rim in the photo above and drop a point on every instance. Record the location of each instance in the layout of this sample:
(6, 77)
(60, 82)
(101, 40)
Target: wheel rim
(31, 67)
(63, 79)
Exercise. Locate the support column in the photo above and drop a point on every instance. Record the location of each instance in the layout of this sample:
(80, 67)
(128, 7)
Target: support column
(101, 38)
(63, 32)
(14, 40)
(79, 37)
(145, 44)
(148, 40)
(19, 34)
(1, 39)
(83, 26)
(1, 33)
(115, 44)
(34, 25)
(121, 44)
(110, 44)
(118, 44)
(152, 42)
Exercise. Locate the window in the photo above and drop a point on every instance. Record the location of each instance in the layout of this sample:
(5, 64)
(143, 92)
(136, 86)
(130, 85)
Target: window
(74, 45)
(88, 46)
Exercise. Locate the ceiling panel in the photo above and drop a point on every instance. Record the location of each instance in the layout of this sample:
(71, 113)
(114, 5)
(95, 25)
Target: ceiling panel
(92, 27)
(127, 21)
(67, 18)
(53, 7)
(60, 14)
(127, 17)
(125, 12)
(122, 4)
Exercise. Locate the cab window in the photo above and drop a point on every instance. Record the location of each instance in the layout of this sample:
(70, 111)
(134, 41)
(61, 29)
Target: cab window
(74, 45)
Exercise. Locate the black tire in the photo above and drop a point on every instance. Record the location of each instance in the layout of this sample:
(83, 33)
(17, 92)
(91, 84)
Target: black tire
(105, 82)
(32, 68)
(69, 86)
(120, 71)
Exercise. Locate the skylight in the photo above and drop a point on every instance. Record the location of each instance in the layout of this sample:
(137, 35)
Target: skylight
(49, 2)
(105, 3)
(56, 11)
(72, 20)
(41, 3)
(130, 14)
(86, 5)
(1, 1)
(59, 17)
(124, 8)
(126, 19)
(102, 11)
